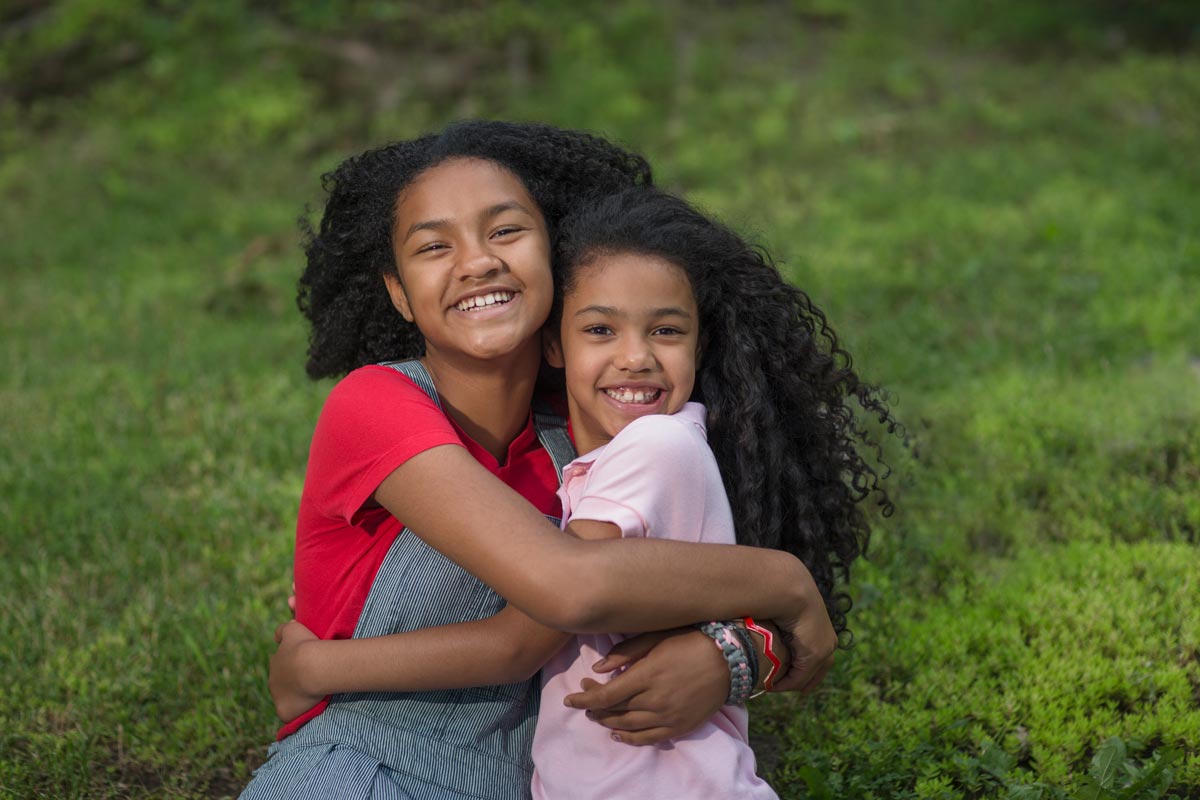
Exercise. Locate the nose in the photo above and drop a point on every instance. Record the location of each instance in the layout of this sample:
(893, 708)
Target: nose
(635, 355)
(479, 261)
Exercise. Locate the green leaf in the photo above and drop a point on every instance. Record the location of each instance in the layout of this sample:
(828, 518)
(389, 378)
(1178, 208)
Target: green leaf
(814, 779)
(1089, 789)
(1153, 780)
(1106, 764)
(1029, 791)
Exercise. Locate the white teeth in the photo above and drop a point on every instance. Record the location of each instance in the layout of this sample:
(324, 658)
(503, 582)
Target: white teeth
(633, 395)
(483, 300)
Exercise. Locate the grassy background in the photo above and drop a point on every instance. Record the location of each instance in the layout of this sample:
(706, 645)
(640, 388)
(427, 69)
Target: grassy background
(997, 204)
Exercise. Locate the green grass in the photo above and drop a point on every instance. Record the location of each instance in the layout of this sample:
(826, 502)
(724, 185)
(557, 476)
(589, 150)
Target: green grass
(1002, 227)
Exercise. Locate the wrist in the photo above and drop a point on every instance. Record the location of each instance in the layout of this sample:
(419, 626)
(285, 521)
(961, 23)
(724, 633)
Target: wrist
(308, 664)
(735, 650)
(771, 651)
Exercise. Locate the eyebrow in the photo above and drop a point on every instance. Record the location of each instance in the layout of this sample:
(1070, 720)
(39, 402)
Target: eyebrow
(668, 311)
(488, 213)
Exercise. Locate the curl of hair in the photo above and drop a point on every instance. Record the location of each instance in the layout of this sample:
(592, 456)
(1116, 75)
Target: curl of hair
(341, 291)
(778, 388)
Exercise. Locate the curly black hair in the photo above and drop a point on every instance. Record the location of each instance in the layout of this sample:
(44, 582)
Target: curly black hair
(775, 382)
(342, 293)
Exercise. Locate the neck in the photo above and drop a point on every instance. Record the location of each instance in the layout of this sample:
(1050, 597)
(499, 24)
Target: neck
(488, 400)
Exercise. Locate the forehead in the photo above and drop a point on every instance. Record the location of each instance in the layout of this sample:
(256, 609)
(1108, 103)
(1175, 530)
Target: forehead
(460, 187)
(631, 280)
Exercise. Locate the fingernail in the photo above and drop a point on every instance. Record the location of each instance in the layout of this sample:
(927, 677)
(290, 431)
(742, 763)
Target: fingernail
(601, 663)
(616, 737)
(590, 714)
(568, 702)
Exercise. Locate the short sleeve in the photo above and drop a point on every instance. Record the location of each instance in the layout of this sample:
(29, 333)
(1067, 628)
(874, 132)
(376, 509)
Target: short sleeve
(373, 421)
(651, 480)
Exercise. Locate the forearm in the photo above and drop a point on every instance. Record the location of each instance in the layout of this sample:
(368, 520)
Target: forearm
(645, 584)
(452, 503)
(506, 648)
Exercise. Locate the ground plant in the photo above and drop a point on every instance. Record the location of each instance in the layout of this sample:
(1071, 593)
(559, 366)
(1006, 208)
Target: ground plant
(997, 204)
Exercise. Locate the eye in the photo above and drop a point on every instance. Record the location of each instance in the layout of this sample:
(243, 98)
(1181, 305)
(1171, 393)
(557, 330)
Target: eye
(598, 330)
(432, 247)
(667, 330)
(506, 230)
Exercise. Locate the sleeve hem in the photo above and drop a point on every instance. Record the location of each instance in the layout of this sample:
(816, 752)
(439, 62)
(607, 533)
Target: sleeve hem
(388, 463)
(599, 509)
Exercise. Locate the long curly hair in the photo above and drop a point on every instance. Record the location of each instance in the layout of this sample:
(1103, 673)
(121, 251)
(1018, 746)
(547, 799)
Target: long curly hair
(341, 291)
(776, 383)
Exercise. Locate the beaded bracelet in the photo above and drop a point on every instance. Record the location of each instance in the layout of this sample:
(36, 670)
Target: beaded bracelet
(751, 651)
(741, 682)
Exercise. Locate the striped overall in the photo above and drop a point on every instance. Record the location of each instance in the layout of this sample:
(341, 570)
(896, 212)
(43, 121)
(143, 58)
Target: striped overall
(462, 743)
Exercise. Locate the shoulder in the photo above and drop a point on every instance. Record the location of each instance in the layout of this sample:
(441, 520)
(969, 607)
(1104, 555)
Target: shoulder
(663, 435)
(376, 389)
(378, 404)
(375, 379)
(651, 442)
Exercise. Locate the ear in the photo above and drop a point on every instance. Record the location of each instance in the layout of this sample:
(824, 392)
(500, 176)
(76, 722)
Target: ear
(396, 292)
(552, 348)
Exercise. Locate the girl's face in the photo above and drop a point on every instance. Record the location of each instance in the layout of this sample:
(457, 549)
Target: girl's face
(473, 258)
(629, 342)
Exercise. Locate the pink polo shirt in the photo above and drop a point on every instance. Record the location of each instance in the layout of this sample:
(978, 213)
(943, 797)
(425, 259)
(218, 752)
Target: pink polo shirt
(657, 478)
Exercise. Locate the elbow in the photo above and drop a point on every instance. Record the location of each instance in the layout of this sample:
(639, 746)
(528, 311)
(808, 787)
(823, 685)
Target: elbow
(518, 667)
(522, 666)
(576, 605)
(559, 590)
(582, 605)
(573, 590)
(580, 612)
(567, 608)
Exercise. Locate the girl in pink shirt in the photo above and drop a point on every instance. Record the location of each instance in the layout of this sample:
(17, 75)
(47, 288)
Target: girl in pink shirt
(659, 306)
(671, 328)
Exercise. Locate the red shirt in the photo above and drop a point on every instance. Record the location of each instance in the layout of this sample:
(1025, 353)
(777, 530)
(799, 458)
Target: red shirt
(373, 421)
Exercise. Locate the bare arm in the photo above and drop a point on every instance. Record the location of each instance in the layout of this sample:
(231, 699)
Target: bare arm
(506, 648)
(587, 586)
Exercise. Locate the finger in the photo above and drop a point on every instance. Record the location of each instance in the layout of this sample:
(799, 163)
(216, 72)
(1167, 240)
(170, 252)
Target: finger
(651, 736)
(795, 680)
(279, 633)
(818, 677)
(630, 650)
(620, 692)
(600, 695)
(627, 721)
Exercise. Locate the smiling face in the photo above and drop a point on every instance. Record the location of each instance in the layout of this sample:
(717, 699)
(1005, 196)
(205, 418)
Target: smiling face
(473, 258)
(629, 342)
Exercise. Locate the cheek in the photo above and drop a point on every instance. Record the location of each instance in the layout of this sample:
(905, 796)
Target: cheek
(541, 286)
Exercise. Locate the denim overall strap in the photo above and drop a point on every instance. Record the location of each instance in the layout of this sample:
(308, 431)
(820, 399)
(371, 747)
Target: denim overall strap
(552, 433)
(415, 371)
(438, 745)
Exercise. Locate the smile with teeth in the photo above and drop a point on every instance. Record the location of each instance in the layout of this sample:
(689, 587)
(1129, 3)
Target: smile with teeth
(481, 301)
(623, 395)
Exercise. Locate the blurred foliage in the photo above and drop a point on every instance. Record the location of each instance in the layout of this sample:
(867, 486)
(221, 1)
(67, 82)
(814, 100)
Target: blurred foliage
(996, 203)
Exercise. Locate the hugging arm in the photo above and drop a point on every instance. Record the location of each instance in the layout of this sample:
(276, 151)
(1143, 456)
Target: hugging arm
(580, 585)
(505, 648)
(667, 694)
(568, 584)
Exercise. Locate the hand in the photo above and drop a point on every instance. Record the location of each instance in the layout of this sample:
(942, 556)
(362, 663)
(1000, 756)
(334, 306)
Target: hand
(673, 682)
(812, 640)
(291, 700)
